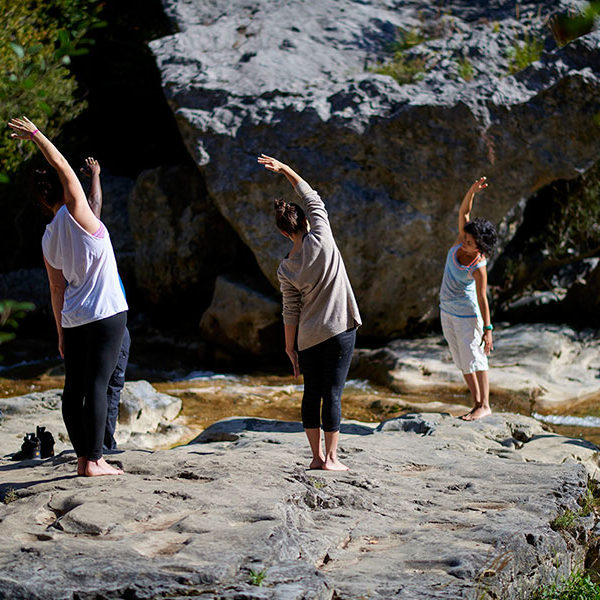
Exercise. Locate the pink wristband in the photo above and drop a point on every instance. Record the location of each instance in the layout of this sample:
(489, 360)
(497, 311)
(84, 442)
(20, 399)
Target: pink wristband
(33, 133)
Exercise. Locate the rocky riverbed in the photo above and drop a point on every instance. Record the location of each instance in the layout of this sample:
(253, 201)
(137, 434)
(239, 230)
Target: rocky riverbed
(433, 507)
(540, 367)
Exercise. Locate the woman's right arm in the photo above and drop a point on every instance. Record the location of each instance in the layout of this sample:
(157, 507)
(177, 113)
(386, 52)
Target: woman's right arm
(75, 198)
(292, 305)
(315, 208)
(57, 296)
(464, 212)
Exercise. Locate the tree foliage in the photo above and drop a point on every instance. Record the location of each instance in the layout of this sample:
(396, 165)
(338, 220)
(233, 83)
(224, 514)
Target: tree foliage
(37, 41)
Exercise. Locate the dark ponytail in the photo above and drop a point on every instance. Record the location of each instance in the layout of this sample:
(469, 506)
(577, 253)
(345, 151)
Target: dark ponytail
(289, 216)
(48, 188)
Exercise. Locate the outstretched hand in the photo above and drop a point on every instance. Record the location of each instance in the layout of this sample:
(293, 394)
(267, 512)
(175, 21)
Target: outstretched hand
(91, 167)
(23, 128)
(270, 163)
(479, 185)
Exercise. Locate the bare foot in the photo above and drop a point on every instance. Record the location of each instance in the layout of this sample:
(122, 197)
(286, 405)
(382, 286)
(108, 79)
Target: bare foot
(334, 465)
(317, 463)
(81, 464)
(95, 468)
(479, 413)
(469, 416)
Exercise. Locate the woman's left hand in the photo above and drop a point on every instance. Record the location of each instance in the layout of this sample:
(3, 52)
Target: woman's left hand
(486, 340)
(270, 163)
(479, 185)
(23, 128)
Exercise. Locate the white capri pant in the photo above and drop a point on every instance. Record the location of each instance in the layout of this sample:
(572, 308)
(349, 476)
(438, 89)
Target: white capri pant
(463, 335)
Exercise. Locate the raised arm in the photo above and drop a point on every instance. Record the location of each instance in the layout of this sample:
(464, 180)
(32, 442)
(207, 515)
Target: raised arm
(315, 208)
(464, 212)
(75, 200)
(272, 164)
(92, 169)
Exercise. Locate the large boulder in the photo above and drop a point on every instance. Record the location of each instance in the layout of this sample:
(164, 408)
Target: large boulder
(181, 239)
(243, 319)
(142, 408)
(115, 215)
(391, 161)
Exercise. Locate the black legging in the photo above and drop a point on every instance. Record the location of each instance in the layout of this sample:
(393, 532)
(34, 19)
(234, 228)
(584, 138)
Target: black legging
(91, 353)
(325, 368)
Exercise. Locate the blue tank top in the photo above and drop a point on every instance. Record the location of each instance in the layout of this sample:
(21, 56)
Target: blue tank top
(458, 294)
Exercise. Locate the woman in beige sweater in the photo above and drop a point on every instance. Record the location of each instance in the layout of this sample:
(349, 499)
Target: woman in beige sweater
(319, 309)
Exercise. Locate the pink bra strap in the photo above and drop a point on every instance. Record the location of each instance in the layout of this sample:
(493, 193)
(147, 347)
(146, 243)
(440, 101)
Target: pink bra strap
(100, 231)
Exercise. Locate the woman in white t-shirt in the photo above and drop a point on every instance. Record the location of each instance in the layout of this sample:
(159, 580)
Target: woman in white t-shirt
(87, 300)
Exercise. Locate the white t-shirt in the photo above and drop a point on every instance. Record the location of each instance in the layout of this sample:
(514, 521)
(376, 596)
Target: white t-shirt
(88, 264)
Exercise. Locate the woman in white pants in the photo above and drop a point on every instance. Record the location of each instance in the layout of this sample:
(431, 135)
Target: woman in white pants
(464, 308)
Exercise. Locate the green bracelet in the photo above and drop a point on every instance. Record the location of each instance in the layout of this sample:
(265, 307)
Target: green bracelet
(489, 327)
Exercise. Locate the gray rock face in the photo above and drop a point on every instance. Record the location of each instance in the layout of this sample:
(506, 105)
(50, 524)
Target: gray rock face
(115, 215)
(143, 410)
(242, 319)
(447, 515)
(391, 161)
(181, 240)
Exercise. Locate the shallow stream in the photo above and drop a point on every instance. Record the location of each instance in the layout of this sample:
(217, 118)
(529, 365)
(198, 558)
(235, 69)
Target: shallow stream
(208, 397)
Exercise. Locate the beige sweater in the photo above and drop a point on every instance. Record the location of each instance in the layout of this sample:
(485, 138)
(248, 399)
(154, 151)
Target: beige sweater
(317, 295)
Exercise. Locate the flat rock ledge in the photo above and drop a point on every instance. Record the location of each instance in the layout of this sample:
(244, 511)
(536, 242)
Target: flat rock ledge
(433, 507)
(538, 366)
(147, 419)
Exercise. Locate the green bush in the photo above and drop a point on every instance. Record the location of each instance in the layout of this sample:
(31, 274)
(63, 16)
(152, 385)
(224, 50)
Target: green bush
(404, 69)
(465, 69)
(568, 27)
(37, 41)
(524, 52)
(564, 521)
(578, 586)
(406, 39)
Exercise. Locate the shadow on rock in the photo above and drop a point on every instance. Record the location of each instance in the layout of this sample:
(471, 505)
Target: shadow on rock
(227, 430)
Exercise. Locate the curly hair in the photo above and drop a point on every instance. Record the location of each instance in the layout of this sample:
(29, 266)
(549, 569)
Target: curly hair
(484, 233)
(289, 216)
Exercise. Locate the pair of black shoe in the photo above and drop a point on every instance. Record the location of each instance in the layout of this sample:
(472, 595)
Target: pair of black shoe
(36, 445)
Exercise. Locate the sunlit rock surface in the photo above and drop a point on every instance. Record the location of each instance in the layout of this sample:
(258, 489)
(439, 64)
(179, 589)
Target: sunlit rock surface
(433, 507)
(391, 161)
(539, 366)
(147, 419)
(243, 319)
(181, 240)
